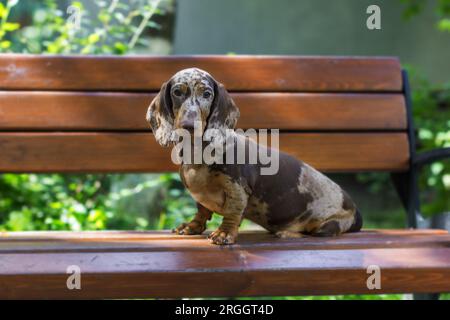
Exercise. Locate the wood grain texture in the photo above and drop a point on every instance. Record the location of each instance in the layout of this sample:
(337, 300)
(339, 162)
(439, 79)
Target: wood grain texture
(139, 152)
(307, 266)
(116, 241)
(237, 73)
(126, 111)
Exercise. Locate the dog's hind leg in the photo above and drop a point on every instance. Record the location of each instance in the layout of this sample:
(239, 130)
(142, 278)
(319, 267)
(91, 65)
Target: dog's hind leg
(329, 228)
(288, 234)
(334, 226)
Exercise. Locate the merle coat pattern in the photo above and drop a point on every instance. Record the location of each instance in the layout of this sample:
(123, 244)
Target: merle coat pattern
(297, 200)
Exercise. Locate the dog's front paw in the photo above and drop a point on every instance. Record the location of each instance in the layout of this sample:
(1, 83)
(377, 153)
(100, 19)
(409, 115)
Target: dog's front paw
(222, 237)
(190, 228)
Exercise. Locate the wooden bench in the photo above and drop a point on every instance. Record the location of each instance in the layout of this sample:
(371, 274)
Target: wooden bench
(87, 114)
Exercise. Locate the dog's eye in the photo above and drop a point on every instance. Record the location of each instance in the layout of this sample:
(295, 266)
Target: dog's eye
(206, 94)
(177, 93)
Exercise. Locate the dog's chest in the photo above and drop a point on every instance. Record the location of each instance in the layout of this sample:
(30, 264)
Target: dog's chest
(204, 185)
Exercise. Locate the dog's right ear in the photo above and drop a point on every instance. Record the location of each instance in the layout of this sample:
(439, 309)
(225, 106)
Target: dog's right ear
(160, 116)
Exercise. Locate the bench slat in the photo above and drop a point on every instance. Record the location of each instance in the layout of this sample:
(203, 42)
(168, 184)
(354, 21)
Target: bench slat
(138, 241)
(126, 111)
(238, 73)
(245, 270)
(139, 152)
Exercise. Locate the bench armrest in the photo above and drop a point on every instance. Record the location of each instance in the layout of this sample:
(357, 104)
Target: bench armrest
(431, 156)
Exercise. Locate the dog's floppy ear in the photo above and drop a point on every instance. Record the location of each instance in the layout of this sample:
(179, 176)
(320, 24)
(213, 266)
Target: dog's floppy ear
(160, 116)
(224, 114)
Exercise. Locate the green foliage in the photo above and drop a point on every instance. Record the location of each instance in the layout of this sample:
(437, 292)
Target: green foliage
(113, 27)
(86, 202)
(178, 206)
(431, 109)
(77, 202)
(175, 205)
(431, 112)
(415, 7)
(53, 202)
(6, 27)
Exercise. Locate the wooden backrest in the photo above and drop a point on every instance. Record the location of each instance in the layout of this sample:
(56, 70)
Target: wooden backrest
(87, 114)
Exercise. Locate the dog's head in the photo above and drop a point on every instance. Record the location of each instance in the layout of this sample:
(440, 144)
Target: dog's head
(191, 99)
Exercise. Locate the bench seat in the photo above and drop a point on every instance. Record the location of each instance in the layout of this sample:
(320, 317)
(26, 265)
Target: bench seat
(133, 264)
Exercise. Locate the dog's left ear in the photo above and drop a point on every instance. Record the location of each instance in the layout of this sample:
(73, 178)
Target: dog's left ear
(224, 114)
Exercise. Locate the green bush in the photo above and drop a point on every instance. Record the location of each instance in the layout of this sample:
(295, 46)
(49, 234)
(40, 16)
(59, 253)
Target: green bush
(77, 202)
(431, 113)
(431, 110)
(113, 27)
(53, 202)
(442, 10)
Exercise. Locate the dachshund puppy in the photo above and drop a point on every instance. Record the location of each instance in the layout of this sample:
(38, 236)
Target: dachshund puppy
(296, 200)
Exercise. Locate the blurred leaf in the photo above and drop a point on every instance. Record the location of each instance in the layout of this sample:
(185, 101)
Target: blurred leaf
(120, 47)
(444, 25)
(93, 38)
(8, 26)
(77, 4)
(104, 17)
(12, 3)
(2, 10)
(5, 44)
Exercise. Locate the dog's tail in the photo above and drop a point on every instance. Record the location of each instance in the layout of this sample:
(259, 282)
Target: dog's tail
(357, 223)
